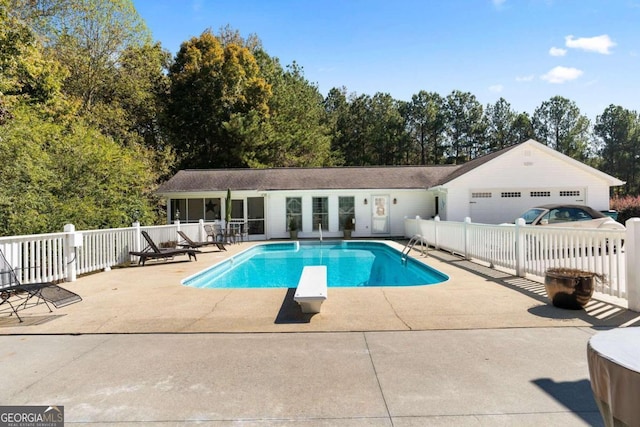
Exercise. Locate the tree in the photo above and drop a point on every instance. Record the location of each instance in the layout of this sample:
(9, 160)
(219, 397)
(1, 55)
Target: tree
(387, 137)
(426, 117)
(559, 124)
(501, 130)
(217, 98)
(522, 129)
(465, 127)
(336, 114)
(297, 135)
(88, 37)
(66, 172)
(619, 132)
(358, 130)
(26, 74)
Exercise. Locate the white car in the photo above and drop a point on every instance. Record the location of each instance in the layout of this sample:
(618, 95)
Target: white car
(577, 216)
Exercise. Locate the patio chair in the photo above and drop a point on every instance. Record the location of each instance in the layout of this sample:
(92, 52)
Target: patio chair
(16, 296)
(188, 243)
(215, 232)
(152, 251)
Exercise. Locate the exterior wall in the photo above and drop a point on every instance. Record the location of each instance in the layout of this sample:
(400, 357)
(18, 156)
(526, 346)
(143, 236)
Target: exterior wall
(409, 203)
(524, 168)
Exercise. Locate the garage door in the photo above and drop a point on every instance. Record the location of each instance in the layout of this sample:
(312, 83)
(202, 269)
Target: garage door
(491, 206)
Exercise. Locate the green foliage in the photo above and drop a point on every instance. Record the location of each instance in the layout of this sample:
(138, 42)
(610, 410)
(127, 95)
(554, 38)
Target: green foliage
(465, 127)
(295, 134)
(619, 132)
(26, 73)
(426, 116)
(88, 37)
(559, 124)
(216, 102)
(58, 173)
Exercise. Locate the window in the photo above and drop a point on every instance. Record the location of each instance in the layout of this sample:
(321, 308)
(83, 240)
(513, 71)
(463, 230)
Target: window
(212, 209)
(510, 194)
(569, 193)
(294, 211)
(346, 211)
(237, 210)
(178, 209)
(195, 210)
(320, 213)
(540, 194)
(484, 195)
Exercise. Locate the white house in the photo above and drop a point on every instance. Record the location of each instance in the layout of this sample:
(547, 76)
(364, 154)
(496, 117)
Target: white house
(490, 189)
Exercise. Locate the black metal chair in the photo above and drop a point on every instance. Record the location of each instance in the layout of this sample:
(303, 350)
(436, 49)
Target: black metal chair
(16, 296)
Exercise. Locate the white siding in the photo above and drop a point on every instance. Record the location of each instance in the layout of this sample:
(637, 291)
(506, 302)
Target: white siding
(526, 168)
(409, 203)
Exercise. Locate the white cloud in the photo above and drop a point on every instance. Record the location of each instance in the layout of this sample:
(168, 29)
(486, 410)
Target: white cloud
(496, 88)
(599, 44)
(525, 78)
(557, 51)
(562, 75)
(498, 3)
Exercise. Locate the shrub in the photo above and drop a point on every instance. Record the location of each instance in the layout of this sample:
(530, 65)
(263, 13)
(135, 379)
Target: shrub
(627, 207)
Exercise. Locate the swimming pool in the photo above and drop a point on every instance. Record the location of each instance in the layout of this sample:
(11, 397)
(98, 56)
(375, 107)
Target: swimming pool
(349, 264)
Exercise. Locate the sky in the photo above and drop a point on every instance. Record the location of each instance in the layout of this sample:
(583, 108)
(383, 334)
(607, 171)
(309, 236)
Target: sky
(525, 51)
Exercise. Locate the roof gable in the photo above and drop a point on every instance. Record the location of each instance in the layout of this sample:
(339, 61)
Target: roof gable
(494, 159)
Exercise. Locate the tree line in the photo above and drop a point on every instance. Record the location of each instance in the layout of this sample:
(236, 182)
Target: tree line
(94, 114)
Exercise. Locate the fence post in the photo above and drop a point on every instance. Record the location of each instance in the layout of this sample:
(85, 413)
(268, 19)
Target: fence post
(136, 236)
(519, 248)
(202, 235)
(436, 243)
(632, 252)
(465, 230)
(70, 251)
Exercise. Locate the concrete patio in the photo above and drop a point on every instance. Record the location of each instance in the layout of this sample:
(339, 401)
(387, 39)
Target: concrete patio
(482, 349)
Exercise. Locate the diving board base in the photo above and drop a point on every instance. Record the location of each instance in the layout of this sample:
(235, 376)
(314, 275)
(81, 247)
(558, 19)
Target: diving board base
(312, 288)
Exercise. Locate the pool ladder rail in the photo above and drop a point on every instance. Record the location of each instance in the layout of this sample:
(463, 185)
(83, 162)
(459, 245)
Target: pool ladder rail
(417, 238)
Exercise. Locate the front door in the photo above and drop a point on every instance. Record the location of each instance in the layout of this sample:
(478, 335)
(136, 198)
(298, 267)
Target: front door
(380, 215)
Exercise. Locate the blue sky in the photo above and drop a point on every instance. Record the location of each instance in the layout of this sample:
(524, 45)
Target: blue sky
(526, 51)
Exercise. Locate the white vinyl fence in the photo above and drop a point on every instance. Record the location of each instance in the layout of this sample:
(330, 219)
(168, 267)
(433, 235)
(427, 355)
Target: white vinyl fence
(61, 256)
(530, 250)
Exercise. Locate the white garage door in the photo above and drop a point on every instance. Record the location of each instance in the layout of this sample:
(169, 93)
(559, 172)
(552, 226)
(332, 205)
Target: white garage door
(491, 206)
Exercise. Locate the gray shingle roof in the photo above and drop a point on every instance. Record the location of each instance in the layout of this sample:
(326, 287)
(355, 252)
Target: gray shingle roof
(408, 177)
(335, 178)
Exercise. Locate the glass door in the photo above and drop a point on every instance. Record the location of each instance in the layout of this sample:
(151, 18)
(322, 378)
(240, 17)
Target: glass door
(255, 215)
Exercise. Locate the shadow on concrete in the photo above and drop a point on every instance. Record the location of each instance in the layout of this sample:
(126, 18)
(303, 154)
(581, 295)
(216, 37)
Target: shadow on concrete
(576, 396)
(27, 320)
(596, 312)
(290, 311)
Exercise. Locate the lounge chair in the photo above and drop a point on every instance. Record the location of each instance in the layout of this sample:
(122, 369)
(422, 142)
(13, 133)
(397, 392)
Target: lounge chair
(154, 252)
(16, 296)
(188, 243)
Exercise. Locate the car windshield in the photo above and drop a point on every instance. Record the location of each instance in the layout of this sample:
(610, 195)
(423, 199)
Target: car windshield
(530, 215)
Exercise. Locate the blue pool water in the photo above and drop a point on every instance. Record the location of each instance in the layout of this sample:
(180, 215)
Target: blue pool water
(279, 265)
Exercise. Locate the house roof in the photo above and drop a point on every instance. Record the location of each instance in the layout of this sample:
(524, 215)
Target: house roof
(340, 178)
(334, 178)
